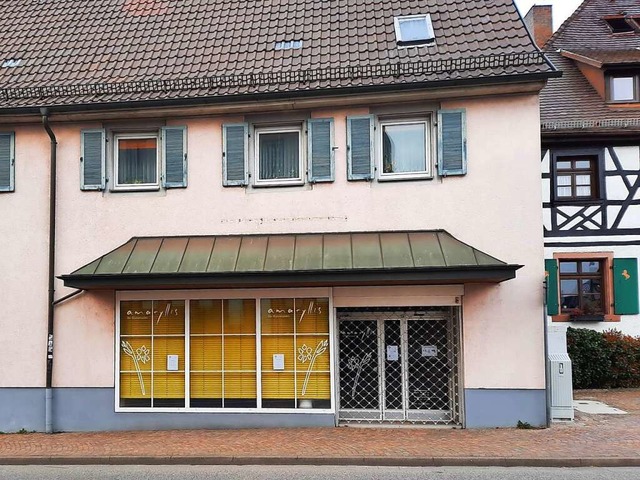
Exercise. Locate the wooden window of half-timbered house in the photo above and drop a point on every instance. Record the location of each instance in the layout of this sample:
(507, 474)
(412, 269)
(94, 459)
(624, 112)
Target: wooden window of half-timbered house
(576, 178)
(581, 287)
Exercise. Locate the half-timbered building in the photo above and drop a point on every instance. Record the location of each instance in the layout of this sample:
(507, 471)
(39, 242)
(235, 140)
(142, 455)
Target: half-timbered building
(591, 164)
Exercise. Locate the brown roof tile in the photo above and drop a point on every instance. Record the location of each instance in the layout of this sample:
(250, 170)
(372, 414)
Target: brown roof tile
(75, 47)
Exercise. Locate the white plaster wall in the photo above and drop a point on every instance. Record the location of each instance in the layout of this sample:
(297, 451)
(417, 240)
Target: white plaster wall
(24, 236)
(495, 207)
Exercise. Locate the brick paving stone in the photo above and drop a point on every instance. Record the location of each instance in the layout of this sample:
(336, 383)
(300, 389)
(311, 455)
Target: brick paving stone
(602, 436)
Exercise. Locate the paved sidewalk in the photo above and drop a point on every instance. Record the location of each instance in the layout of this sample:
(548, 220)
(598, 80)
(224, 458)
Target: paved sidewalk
(593, 440)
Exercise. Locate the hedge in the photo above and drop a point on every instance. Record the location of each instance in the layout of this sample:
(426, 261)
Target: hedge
(607, 359)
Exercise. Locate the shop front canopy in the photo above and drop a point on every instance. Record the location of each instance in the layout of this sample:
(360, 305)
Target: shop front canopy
(291, 260)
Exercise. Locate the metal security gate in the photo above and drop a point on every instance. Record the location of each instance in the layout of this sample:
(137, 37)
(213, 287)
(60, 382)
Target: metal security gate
(399, 365)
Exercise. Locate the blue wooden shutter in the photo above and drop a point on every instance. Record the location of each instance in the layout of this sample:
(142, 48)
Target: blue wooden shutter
(452, 142)
(235, 147)
(7, 162)
(92, 160)
(174, 157)
(360, 148)
(320, 150)
(553, 294)
(625, 286)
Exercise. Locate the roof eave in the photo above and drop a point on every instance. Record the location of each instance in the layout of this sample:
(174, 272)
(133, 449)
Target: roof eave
(353, 277)
(296, 94)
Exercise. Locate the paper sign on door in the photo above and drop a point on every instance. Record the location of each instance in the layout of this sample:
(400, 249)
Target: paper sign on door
(429, 351)
(392, 353)
(278, 361)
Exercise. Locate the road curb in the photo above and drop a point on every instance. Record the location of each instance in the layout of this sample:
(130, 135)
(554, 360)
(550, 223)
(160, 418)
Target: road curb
(336, 461)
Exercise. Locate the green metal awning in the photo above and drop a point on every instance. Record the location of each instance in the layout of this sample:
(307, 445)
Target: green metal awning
(287, 260)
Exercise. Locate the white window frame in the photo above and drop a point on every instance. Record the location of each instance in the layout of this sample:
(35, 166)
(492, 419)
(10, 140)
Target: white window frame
(257, 181)
(414, 43)
(256, 295)
(379, 150)
(116, 161)
(636, 93)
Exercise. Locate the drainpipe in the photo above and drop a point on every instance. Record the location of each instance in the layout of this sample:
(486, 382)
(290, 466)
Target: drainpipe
(547, 380)
(48, 413)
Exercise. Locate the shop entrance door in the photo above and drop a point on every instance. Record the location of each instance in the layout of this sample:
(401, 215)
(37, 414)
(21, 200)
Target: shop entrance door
(398, 366)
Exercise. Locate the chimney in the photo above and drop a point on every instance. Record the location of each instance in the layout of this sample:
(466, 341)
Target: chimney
(539, 21)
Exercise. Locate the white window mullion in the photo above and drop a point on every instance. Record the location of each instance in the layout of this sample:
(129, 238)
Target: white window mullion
(258, 356)
(222, 352)
(187, 354)
(295, 358)
(153, 309)
(117, 373)
(333, 356)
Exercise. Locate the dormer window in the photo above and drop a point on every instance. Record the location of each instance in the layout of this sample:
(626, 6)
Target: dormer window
(414, 30)
(623, 87)
(620, 24)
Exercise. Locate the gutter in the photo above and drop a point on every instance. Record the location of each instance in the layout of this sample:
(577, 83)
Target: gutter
(51, 274)
(286, 94)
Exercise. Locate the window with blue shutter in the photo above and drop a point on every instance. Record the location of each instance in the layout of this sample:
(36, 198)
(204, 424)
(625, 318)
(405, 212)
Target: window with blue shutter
(235, 154)
(7, 162)
(92, 160)
(174, 156)
(360, 148)
(320, 150)
(452, 142)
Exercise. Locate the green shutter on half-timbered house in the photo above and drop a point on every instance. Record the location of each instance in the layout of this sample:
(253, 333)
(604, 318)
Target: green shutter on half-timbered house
(625, 286)
(551, 275)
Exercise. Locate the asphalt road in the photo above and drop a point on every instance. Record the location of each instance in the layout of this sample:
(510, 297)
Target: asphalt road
(111, 472)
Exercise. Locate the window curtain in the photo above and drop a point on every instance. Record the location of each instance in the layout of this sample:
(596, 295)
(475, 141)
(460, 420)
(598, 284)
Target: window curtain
(279, 156)
(137, 161)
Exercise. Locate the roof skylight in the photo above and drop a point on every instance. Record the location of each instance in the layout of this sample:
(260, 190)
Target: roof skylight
(619, 24)
(290, 45)
(11, 63)
(414, 30)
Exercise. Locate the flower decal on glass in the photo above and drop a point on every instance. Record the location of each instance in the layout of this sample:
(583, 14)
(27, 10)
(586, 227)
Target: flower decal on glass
(140, 355)
(356, 364)
(305, 354)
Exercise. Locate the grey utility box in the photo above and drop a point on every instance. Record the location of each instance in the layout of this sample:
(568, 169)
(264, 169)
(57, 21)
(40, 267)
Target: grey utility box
(561, 385)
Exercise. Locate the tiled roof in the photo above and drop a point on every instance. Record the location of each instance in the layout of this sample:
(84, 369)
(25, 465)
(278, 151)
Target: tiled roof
(100, 51)
(570, 103)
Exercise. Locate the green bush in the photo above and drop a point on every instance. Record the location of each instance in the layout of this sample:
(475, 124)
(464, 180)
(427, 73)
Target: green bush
(607, 359)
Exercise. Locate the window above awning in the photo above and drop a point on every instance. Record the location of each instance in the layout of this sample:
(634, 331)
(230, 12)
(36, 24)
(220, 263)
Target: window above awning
(286, 260)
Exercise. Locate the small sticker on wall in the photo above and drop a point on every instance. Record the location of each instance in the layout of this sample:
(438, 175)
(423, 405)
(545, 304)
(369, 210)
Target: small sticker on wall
(429, 351)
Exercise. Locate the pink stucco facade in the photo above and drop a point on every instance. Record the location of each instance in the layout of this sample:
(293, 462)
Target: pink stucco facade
(495, 207)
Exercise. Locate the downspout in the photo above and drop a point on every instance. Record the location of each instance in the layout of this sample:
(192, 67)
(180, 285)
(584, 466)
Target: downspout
(48, 413)
(547, 380)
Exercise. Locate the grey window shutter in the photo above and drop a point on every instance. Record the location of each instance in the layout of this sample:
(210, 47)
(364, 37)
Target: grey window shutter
(92, 160)
(235, 148)
(320, 150)
(7, 162)
(174, 157)
(360, 148)
(452, 142)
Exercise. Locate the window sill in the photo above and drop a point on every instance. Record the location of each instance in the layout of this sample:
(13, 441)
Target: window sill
(577, 201)
(404, 178)
(566, 317)
(132, 188)
(296, 183)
